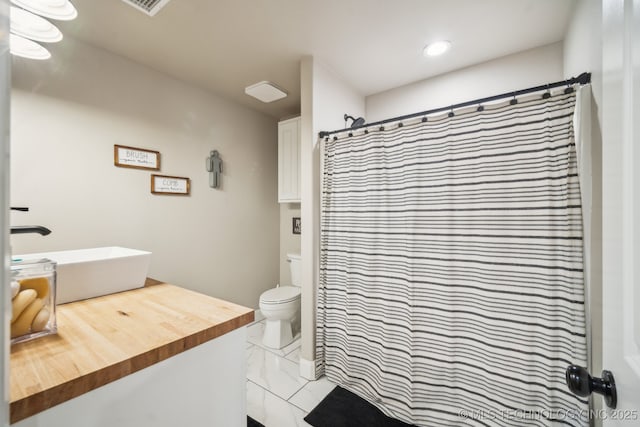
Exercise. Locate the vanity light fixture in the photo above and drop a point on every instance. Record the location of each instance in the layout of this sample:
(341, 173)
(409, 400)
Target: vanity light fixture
(31, 26)
(28, 25)
(437, 48)
(26, 48)
(61, 10)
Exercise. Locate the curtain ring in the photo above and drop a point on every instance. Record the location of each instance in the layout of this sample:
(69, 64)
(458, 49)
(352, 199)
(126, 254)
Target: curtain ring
(480, 108)
(569, 89)
(451, 114)
(514, 101)
(547, 94)
(424, 119)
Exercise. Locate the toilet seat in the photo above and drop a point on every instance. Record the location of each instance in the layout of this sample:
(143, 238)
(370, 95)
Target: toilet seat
(280, 295)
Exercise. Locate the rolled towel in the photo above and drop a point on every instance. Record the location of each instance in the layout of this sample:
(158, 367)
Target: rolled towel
(38, 284)
(22, 325)
(22, 301)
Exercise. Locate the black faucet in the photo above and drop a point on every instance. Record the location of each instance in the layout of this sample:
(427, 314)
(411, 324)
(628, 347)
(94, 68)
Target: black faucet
(24, 229)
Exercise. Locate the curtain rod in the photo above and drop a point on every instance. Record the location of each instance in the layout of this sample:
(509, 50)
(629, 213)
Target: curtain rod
(582, 79)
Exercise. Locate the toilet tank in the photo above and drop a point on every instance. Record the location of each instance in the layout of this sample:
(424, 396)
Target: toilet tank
(294, 269)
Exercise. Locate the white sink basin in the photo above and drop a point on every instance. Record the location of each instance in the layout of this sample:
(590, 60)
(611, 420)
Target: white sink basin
(89, 273)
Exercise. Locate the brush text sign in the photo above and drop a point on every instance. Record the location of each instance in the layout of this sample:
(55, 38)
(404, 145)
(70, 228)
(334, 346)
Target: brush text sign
(137, 158)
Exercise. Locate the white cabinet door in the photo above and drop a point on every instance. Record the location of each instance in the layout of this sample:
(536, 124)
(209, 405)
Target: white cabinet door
(289, 161)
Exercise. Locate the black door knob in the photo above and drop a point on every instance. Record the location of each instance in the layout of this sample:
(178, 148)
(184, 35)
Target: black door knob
(583, 384)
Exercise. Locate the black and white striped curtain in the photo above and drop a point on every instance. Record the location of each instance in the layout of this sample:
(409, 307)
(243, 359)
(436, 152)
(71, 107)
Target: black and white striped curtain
(451, 273)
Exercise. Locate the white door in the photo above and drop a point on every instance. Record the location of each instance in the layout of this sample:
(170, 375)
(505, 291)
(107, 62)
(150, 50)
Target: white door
(621, 206)
(5, 300)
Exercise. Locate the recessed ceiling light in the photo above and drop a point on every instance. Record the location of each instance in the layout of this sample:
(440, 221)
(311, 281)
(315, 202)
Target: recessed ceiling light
(437, 48)
(265, 91)
(61, 10)
(26, 48)
(31, 26)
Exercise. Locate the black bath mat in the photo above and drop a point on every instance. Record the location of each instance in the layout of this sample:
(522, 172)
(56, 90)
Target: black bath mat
(341, 408)
(253, 423)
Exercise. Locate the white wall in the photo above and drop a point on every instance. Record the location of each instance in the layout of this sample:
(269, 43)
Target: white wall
(518, 71)
(289, 242)
(325, 98)
(583, 52)
(68, 112)
(583, 39)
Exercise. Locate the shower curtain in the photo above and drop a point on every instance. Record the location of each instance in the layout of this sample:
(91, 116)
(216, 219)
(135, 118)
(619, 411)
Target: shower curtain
(451, 266)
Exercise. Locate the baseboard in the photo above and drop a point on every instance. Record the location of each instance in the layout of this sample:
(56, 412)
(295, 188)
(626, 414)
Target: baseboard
(258, 316)
(308, 369)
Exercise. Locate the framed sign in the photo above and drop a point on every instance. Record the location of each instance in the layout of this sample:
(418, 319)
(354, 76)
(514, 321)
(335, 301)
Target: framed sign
(170, 185)
(137, 158)
(296, 225)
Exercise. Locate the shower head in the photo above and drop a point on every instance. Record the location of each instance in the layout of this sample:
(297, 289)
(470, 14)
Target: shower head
(355, 122)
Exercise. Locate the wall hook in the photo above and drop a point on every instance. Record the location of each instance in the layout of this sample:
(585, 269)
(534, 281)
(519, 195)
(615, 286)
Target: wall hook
(214, 167)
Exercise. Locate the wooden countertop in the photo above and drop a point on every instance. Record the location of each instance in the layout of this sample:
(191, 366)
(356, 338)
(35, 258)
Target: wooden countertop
(103, 339)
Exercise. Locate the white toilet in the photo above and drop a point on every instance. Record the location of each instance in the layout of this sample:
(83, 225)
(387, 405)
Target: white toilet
(280, 306)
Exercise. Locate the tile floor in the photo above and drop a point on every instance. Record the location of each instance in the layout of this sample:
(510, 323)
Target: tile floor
(276, 394)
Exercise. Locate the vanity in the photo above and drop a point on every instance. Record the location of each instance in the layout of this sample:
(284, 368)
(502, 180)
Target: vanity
(156, 356)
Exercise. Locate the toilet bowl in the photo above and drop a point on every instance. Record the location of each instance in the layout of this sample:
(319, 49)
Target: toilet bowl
(280, 306)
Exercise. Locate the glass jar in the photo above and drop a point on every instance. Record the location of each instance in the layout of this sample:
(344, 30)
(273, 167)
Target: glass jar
(33, 299)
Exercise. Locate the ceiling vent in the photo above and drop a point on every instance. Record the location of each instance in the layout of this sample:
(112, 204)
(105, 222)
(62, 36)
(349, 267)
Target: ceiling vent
(150, 7)
(265, 91)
